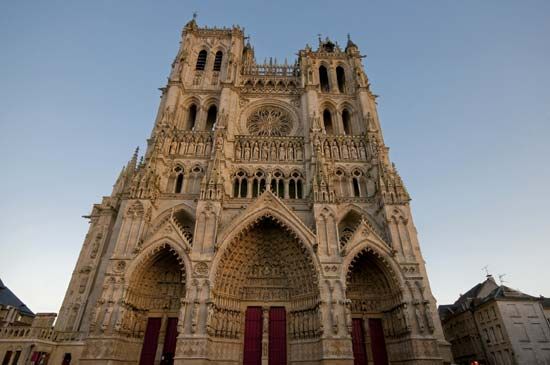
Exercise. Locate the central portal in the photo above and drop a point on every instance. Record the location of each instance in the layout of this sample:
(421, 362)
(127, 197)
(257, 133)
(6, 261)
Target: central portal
(266, 296)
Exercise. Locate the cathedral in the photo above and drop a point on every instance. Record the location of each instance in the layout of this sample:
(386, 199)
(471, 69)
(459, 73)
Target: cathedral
(264, 224)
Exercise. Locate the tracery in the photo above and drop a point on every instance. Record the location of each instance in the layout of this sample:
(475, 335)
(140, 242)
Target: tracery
(269, 121)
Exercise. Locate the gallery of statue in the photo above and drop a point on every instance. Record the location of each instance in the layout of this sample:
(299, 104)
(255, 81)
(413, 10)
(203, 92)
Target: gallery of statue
(265, 224)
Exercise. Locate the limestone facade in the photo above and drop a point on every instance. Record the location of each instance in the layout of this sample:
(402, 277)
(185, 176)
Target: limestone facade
(265, 199)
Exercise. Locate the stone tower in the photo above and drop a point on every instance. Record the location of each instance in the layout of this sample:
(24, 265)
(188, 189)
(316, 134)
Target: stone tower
(264, 224)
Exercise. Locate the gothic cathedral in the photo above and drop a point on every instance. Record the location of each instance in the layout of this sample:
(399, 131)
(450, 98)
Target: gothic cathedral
(265, 224)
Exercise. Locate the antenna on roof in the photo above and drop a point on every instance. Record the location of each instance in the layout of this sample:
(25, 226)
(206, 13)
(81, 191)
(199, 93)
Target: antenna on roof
(486, 269)
(501, 279)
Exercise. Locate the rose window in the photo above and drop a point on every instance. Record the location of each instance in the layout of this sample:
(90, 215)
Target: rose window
(269, 121)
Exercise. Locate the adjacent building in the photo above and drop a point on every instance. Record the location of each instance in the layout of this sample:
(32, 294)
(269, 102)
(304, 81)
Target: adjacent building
(494, 324)
(13, 312)
(265, 223)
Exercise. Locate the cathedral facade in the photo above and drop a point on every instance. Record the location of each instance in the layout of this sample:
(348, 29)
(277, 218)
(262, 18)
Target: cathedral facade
(265, 224)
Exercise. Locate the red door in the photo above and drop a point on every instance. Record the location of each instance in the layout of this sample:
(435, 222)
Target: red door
(253, 336)
(150, 342)
(358, 342)
(169, 348)
(277, 336)
(378, 344)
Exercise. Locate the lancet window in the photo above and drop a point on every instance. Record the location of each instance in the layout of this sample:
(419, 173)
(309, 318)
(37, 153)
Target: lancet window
(258, 184)
(323, 79)
(211, 117)
(278, 184)
(201, 60)
(341, 78)
(195, 180)
(327, 122)
(296, 186)
(191, 117)
(240, 185)
(340, 183)
(346, 122)
(218, 61)
(359, 184)
(178, 189)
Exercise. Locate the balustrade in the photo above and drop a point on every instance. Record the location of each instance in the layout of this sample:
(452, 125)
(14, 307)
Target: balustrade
(33, 333)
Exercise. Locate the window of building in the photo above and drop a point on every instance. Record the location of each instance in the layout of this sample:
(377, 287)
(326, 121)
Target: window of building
(295, 186)
(346, 122)
(211, 117)
(358, 184)
(201, 60)
(191, 117)
(278, 184)
(240, 185)
(218, 61)
(341, 78)
(179, 180)
(258, 184)
(327, 122)
(195, 180)
(323, 79)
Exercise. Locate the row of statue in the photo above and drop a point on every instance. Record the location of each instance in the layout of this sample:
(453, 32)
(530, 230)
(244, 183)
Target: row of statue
(304, 324)
(224, 322)
(396, 322)
(269, 150)
(344, 149)
(189, 144)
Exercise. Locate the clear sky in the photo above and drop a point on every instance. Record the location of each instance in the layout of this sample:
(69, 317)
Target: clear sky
(464, 103)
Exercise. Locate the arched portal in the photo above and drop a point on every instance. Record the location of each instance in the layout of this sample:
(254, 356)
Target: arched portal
(379, 316)
(152, 302)
(266, 293)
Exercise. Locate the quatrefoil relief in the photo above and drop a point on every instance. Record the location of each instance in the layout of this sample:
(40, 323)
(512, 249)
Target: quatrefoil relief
(269, 121)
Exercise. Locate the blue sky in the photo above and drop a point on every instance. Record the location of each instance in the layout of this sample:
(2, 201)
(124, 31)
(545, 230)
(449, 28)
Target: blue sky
(464, 104)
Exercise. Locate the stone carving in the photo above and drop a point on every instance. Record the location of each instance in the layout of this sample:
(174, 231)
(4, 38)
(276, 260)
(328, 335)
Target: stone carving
(345, 148)
(272, 149)
(269, 121)
(201, 269)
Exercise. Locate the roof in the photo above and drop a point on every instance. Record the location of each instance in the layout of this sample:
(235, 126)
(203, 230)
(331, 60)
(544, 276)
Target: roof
(482, 293)
(7, 298)
(545, 302)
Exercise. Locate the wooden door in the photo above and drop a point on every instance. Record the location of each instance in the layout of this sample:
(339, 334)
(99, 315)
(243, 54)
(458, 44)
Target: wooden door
(150, 342)
(378, 343)
(358, 342)
(169, 348)
(277, 336)
(252, 354)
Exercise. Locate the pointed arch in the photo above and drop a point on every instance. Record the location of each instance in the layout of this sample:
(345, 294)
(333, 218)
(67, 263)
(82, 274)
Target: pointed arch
(382, 255)
(152, 249)
(276, 210)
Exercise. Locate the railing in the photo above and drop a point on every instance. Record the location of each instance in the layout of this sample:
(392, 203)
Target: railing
(34, 333)
(271, 69)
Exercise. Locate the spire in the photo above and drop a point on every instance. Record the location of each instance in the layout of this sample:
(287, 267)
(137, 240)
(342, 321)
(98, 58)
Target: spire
(192, 24)
(133, 162)
(350, 43)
